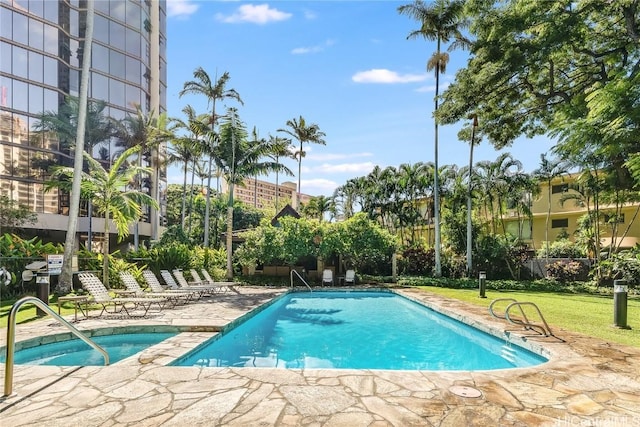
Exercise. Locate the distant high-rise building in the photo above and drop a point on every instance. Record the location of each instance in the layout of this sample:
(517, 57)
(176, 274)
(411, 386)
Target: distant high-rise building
(41, 48)
(261, 194)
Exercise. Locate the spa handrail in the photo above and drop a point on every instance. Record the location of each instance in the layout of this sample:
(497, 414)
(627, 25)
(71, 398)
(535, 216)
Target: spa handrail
(300, 277)
(11, 338)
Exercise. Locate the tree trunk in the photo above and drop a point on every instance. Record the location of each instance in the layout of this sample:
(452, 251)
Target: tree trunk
(436, 184)
(184, 195)
(105, 250)
(207, 208)
(230, 235)
(65, 281)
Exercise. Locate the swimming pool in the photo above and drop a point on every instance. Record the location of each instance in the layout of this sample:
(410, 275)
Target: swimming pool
(356, 330)
(75, 352)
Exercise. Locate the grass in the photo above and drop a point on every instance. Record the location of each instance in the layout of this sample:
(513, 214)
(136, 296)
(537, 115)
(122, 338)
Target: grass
(28, 312)
(586, 314)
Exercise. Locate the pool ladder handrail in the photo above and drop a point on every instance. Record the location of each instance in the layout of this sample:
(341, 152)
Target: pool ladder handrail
(11, 338)
(543, 329)
(301, 278)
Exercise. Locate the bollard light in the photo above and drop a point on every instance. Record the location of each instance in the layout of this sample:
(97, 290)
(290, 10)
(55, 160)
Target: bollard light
(620, 304)
(482, 281)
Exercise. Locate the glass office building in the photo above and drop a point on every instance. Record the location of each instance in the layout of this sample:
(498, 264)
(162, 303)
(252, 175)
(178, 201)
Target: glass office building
(41, 48)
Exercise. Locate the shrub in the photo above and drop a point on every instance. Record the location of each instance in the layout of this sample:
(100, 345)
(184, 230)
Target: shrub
(417, 260)
(567, 271)
(563, 248)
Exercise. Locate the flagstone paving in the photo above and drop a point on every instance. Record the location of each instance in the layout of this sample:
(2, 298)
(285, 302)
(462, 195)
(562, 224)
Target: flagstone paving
(587, 382)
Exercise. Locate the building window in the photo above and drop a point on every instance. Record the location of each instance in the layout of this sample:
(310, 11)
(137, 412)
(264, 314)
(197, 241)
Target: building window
(560, 223)
(611, 218)
(560, 188)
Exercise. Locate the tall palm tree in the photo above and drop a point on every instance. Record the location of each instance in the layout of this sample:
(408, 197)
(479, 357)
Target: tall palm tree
(549, 170)
(147, 130)
(213, 90)
(181, 152)
(108, 191)
(303, 132)
(197, 127)
(441, 21)
(280, 147)
(237, 158)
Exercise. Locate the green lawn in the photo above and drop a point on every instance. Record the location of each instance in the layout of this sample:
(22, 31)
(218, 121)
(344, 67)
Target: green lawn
(587, 314)
(27, 312)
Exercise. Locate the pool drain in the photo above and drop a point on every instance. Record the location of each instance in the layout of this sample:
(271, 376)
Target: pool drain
(464, 391)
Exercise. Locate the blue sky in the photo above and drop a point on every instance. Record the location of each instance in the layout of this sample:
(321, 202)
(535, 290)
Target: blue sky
(346, 66)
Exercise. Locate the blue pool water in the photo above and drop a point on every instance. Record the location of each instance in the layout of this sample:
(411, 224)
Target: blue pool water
(76, 352)
(359, 330)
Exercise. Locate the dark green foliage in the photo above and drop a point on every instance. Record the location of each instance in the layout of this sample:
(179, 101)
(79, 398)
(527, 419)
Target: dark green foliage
(417, 260)
(567, 271)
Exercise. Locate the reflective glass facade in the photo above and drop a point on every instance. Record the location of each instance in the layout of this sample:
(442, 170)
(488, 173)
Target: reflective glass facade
(41, 48)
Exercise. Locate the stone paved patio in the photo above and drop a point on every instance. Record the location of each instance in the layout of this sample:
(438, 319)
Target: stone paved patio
(587, 382)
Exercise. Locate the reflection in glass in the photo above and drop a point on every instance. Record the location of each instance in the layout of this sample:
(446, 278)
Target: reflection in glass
(50, 71)
(19, 56)
(20, 29)
(6, 23)
(36, 34)
(35, 67)
(51, 39)
(5, 54)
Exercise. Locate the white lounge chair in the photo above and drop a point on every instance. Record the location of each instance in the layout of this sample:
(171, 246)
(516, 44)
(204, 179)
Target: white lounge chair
(101, 296)
(327, 277)
(222, 286)
(154, 284)
(134, 287)
(350, 277)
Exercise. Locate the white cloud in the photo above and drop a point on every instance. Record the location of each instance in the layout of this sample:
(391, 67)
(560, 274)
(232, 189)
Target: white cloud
(365, 167)
(381, 75)
(318, 186)
(255, 14)
(312, 49)
(335, 156)
(181, 8)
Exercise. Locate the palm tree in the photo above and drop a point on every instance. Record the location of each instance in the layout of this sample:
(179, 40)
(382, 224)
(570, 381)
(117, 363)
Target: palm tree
(182, 152)
(318, 206)
(148, 131)
(440, 21)
(214, 91)
(547, 172)
(237, 158)
(303, 132)
(197, 125)
(280, 147)
(107, 190)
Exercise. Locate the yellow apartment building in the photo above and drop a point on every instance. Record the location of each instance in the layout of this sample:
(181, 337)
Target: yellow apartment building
(260, 194)
(563, 219)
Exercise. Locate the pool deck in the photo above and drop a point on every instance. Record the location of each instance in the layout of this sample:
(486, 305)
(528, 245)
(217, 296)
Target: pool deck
(587, 382)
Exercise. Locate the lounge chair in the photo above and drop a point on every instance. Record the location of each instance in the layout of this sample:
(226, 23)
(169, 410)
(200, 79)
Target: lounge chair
(179, 282)
(183, 283)
(327, 276)
(208, 281)
(101, 296)
(350, 277)
(154, 284)
(134, 287)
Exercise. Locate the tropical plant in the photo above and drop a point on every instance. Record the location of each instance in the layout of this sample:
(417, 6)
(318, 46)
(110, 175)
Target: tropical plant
(280, 147)
(14, 215)
(214, 90)
(441, 22)
(303, 133)
(107, 190)
(547, 172)
(239, 159)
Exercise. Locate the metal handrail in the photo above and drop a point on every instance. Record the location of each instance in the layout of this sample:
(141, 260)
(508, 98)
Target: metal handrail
(300, 277)
(515, 321)
(11, 338)
(545, 330)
